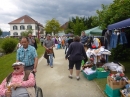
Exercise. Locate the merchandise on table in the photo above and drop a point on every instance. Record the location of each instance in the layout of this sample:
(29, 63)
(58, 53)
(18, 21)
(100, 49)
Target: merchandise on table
(114, 67)
(126, 91)
(116, 84)
(98, 54)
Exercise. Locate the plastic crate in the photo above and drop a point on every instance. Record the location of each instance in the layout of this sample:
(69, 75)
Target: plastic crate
(102, 74)
(91, 76)
(112, 92)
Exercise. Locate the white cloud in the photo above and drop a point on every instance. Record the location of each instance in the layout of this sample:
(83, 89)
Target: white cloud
(43, 10)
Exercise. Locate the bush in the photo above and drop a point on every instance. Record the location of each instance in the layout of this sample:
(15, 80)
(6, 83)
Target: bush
(37, 40)
(120, 53)
(8, 45)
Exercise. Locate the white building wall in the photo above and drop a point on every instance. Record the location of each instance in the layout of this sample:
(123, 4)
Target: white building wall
(19, 31)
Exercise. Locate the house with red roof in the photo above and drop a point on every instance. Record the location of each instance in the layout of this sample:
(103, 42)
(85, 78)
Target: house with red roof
(25, 23)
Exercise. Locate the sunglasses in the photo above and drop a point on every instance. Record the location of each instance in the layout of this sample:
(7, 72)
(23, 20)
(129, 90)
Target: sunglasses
(16, 68)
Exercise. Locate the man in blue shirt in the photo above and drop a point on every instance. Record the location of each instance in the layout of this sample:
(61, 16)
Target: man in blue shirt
(83, 38)
(28, 55)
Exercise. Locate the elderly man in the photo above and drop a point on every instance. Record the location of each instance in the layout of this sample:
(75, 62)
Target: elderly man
(83, 38)
(48, 45)
(28, 55)
(31, 39)
(19, 83)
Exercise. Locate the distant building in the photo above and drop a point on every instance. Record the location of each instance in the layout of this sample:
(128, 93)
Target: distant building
(64, 26)
(25, 23)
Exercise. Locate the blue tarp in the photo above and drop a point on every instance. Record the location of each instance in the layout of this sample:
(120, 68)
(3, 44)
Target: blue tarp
(119, 25)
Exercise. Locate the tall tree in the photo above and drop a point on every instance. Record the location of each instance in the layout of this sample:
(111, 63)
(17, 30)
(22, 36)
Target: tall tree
(52, 26)
(115, 12)
(78, 24)
(1, 32)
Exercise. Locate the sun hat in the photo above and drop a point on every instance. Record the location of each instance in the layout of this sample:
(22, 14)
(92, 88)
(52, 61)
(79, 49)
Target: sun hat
(48, 35)
(116, 30)
(18, 63)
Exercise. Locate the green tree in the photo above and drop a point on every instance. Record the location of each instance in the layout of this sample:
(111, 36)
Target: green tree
(115, 12)
(52, 26)
(1, 32)
(78, 24)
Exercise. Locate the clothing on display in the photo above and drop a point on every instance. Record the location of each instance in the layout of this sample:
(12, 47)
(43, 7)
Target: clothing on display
(97, 52)
(114, 67)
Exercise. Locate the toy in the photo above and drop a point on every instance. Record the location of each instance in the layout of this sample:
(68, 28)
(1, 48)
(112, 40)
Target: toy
(117, 77)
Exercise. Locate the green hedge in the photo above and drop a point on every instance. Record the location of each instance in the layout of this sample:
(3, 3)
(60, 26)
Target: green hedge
(120, 53)
(9, 44)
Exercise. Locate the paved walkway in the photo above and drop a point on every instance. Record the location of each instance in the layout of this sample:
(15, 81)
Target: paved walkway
(55, 82)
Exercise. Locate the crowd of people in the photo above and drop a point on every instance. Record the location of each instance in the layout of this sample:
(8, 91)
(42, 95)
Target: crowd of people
(26, 63)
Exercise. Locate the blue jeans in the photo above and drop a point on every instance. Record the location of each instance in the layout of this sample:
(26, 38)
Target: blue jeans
(50, 60)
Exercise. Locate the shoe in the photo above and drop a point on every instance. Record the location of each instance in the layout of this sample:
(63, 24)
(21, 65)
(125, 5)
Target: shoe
(70, 76)
(47, 64)
(78, 78)
(51, 66)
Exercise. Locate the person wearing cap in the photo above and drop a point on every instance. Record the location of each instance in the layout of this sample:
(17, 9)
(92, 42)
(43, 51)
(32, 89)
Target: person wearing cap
(48, 45)
(28, 55)
(16, 84)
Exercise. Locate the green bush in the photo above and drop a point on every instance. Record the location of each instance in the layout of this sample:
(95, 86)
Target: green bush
(9, 44)
(37, 40)
(120, 53)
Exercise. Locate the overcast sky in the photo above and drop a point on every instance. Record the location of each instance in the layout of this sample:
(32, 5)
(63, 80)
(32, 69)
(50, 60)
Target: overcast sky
(43, 10)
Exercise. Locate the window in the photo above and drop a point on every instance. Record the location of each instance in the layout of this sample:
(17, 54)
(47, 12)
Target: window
(22, 27)
(36, 27)
(15, 34)
(29, 27)
(15, 27)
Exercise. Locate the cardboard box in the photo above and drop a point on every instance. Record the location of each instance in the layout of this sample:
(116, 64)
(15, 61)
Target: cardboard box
(114, 84)
(122, 95)
(113, 72)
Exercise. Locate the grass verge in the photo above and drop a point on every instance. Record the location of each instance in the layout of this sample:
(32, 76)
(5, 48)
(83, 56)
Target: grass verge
(6, 62)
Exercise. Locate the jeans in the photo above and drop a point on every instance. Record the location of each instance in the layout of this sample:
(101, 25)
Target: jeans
(50, 60)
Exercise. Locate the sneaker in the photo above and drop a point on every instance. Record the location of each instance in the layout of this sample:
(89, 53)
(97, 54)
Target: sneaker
(78, 78)
(70, 76)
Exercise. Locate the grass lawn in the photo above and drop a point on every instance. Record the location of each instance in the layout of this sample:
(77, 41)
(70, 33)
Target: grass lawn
(7, 61)
(102, 82)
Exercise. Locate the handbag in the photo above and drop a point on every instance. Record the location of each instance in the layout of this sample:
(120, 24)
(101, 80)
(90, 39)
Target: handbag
(49, 51)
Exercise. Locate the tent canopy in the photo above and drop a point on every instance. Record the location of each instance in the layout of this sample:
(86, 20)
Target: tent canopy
(96, 31)
(119, 25)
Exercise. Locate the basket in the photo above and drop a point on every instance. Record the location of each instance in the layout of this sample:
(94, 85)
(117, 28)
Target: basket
(102, 74)
(91, 76)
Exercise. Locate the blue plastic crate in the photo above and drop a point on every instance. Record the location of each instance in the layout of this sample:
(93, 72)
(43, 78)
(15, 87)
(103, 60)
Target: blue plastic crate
(91, 76)
(102, 74)
(112, 92)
